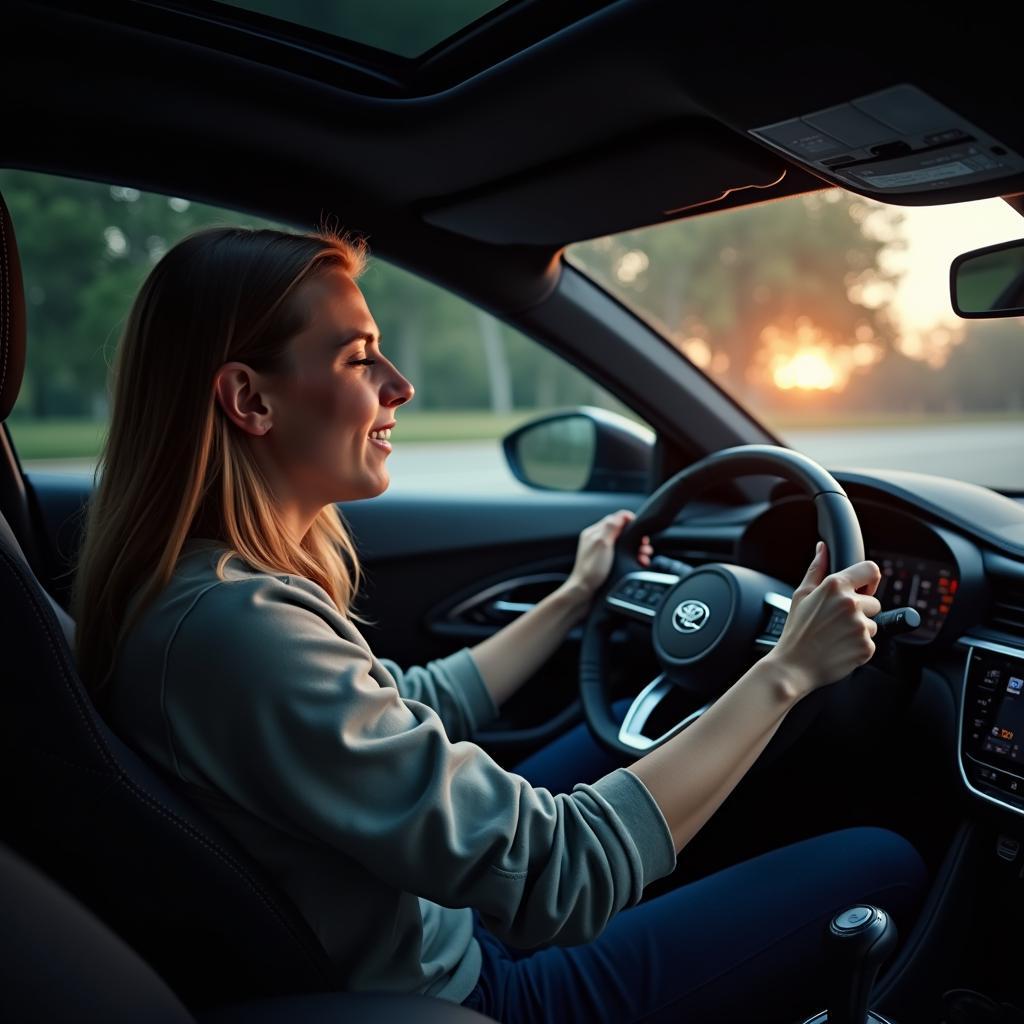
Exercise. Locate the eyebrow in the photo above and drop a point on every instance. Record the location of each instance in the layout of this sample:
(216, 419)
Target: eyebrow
(349, 339)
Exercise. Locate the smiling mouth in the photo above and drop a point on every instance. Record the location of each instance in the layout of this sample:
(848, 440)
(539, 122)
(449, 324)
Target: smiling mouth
(381, 437)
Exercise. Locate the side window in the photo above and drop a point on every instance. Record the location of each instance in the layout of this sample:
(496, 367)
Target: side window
(86, 249)
(476, 379)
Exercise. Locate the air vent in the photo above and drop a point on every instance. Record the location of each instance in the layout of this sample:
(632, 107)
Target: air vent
(1007, 612)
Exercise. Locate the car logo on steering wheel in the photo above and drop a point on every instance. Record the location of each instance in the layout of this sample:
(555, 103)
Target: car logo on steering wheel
(689, 616)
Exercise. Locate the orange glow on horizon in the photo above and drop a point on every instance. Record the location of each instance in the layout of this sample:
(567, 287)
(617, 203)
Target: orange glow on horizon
(804, 357)
(809, 369)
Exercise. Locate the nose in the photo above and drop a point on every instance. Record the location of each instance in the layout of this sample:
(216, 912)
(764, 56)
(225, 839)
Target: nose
(396, 390)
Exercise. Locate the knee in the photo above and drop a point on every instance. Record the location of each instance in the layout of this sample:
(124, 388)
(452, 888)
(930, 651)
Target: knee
(887, 849)
(888, 864)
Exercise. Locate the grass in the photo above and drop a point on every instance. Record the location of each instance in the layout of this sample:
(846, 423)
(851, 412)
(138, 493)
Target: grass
(468, 425)
(81, 439)
(78, 439)
(57, 438)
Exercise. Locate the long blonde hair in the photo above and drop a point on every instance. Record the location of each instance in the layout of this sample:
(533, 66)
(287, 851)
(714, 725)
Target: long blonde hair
(173, 465)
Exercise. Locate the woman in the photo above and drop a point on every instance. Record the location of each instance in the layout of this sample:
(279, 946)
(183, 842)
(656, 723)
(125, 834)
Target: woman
(214, 606)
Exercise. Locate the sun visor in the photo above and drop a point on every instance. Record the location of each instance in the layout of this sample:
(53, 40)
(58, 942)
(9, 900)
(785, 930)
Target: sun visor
(634, 182)
(897, 145)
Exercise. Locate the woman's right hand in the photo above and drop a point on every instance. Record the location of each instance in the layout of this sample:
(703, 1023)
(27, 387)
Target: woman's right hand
(829, 629)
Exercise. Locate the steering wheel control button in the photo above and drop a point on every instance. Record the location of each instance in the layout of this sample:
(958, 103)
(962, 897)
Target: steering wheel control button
(853, 920)
(641, 593)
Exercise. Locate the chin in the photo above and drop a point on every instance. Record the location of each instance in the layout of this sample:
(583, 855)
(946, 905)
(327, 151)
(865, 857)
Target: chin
(367, 489)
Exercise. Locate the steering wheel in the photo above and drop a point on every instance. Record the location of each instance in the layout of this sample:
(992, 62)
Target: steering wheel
(707, 624)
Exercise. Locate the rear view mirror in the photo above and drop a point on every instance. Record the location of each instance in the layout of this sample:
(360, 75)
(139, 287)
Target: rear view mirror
(989, 282)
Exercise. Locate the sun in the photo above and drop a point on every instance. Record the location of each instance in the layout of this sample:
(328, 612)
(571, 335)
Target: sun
(810, 369)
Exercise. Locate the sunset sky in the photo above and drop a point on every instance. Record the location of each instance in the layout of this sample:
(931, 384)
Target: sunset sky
(807, 356)
(935, 235)
(929, 329)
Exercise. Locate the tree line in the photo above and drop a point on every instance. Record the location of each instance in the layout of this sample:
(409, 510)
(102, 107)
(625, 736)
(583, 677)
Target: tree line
(734, 292)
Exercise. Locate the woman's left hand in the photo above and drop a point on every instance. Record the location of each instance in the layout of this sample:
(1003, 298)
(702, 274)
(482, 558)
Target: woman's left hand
(596, 549)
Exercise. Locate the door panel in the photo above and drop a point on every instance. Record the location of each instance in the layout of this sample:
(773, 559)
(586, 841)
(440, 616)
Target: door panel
(437, 566)
(424, 556)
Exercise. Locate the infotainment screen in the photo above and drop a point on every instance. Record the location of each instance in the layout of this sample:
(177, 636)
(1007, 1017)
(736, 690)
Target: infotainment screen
(1005, 735)
(992, 724)
(927, 586)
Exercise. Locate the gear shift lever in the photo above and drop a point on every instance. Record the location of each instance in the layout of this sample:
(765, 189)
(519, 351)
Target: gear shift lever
(858, 940)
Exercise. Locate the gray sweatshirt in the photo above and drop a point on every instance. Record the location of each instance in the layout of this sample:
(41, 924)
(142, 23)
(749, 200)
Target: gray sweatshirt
(356, 786)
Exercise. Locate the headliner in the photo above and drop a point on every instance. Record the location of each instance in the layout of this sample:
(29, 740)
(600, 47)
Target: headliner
(637, 108)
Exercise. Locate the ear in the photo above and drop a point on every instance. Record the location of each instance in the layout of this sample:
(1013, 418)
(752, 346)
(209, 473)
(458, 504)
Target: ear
(239, 391)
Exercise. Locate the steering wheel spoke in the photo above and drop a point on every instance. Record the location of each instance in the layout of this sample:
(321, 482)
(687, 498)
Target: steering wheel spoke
(638, 595)
(643, 718)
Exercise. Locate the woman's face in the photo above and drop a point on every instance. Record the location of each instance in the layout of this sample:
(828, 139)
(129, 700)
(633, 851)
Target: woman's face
(333, 407)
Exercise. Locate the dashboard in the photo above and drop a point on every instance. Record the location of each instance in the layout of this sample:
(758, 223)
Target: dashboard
(927, 585)
(925, 565)
(955, 553)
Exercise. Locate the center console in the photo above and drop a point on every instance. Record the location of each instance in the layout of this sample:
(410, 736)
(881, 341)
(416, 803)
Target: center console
(991, 744)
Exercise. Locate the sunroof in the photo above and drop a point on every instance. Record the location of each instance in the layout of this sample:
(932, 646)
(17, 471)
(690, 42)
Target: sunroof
(407, 28)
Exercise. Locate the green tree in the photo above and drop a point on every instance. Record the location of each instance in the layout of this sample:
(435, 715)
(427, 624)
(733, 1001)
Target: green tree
(85, 250)
(985, 372)
(726, 278)
(87, 247)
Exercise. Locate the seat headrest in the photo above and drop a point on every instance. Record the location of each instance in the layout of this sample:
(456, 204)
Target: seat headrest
(12, 316)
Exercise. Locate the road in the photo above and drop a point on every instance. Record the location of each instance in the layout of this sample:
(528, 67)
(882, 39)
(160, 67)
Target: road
(989, 454)
(983, 453)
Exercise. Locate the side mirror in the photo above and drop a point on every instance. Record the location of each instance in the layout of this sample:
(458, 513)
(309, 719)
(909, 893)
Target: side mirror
(585, 449)
(989, 282)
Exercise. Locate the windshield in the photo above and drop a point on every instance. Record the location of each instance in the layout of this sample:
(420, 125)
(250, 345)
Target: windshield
(828, 317)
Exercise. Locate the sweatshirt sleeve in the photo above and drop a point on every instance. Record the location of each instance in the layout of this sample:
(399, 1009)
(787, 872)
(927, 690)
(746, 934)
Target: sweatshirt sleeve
(267, 703)
(453, 687)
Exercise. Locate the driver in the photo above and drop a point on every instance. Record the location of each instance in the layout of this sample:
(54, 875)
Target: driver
(216, 631)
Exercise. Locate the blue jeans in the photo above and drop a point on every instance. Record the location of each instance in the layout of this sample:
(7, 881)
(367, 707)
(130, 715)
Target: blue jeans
(743, 945)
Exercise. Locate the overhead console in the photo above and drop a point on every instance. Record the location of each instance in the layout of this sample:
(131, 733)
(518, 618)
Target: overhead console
(896, 142)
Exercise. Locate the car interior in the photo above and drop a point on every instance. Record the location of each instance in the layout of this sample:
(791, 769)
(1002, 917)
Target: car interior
(473, 158)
